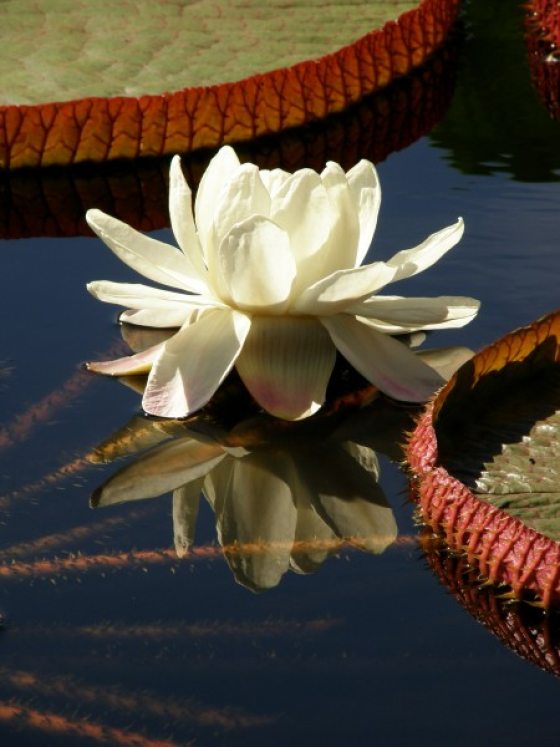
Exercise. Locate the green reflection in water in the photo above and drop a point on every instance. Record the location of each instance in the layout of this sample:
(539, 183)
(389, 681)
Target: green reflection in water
(495, 122)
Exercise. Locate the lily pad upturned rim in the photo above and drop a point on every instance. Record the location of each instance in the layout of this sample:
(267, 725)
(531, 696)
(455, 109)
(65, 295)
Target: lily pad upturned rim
(100, 129)
(504, 550)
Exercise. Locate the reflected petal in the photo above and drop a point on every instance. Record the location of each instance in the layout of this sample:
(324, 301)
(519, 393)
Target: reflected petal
(353, 502)
(255, 511)
(314, 540)
(186, 500)
(194, 362)
(137, 435)
(159, 471)
(382, 360)
(286, 364)
(154, 259)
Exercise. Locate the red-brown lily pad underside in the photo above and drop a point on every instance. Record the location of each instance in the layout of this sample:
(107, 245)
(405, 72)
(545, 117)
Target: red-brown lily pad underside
(531, 633)
(543, 43)
(97, 81)
(486, 461)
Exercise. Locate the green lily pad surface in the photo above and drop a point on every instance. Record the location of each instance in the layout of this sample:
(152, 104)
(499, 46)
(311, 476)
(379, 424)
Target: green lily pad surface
(508, 453)
(57, 50)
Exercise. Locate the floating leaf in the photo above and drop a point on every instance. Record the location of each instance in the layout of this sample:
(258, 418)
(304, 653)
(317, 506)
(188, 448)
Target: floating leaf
(487, 460)
(53, 202)
(107, 87)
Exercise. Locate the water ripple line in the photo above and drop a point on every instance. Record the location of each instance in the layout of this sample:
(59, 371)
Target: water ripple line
(113, 697)
(54, 723)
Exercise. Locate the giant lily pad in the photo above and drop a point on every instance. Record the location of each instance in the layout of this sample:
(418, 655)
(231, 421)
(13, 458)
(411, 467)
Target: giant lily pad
(53, 202)
(486, 457)
(138, 78)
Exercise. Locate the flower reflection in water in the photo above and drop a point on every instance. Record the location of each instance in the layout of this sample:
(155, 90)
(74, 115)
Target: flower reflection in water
(284, 496)
(278, 506)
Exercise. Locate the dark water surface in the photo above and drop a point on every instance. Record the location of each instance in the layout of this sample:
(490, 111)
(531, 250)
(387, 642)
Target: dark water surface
(109, 642)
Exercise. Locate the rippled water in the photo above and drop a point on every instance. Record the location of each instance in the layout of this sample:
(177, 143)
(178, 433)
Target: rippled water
(110, 638)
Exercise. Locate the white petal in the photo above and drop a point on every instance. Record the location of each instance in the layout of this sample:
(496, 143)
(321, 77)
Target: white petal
(256, 516)
(255, 266)
(342, 250)
(142, 338)
(446, 360)
(366, 192)
(302, 208)
(224, 164)
(394, 314)
(151, 307)
(342, 289)
(160, 470)
(186, 500)
(136, 295)
(194, 362)
(131, 365)
(382, 360)
(273, 179)
(243, 196)
(182, 220)
(409, 262)
(286, 364)
(415, 339)
(154, 259)
(167, 318)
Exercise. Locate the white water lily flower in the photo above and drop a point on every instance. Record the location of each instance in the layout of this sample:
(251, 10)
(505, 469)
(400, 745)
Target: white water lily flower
(270, 281)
